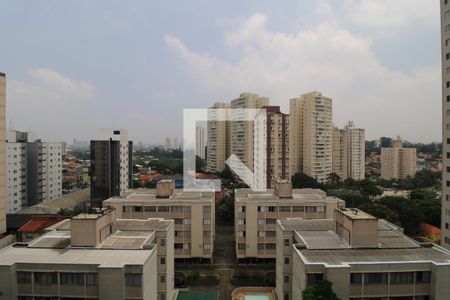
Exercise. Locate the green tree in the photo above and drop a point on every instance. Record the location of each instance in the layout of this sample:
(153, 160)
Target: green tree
(199, 164)
(385, 141)
(301, 181)
(225, 211)
(320, 291)
(409, 214)
(381, 212)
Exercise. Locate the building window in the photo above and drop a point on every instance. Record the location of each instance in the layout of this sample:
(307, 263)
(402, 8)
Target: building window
(313, 278)
(286, 279)
(91, 279)
(287, 242)
(206, 221)
(298, 208)
(162, 260)
(163, 209)
(177, 209)
(241, 246)
(271, 221)
(286, 260)
(45, 278)
(163, 279)
(133, 280)
(162, 242)
(149, 208)
(375, 278)
(310, 209)
(137, 208)
(206, 209)
(284, 209)
(355, 278)
(241, 209)
(72, 278)
(23, 277)
(286, 297)
(423, 277)
(402, 278)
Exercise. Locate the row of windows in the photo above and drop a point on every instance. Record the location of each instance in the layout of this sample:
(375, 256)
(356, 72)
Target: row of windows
(49, 278)
(421, 277)
(174, 209)
(308, 209)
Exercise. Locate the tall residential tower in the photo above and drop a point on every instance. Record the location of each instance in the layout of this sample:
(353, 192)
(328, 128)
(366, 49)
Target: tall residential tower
(2, 153)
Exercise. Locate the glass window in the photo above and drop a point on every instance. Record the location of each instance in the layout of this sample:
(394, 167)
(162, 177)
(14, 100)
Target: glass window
(206, 209)
(423, 277)
(163, 208)
(177, 209)
(313, 278)
(402, 278)
(375, 278)
(149, 208)
(285, 208)
(72, 278)
(45, 278)
(298, 208)
(206, 221)
(271, 221)
(355, 278)
(23, 277)
(286, 242)
(91, 279)
(133, 280)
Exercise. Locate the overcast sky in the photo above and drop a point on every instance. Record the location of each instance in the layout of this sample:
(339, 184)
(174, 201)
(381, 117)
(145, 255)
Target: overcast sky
(75, 66)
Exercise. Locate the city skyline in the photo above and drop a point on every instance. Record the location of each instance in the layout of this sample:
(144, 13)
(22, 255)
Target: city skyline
(259, 48)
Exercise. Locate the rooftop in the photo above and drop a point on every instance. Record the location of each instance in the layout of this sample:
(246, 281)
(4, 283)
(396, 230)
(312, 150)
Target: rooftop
(39, 224)
(354, 214)
(143, 195)
(302, 195)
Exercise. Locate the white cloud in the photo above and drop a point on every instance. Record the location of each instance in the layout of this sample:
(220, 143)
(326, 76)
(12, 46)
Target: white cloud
(49, 103)
(326, 58)
(389, 15)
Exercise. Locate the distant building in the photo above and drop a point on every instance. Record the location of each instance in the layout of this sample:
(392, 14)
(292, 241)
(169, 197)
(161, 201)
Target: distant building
(93, 256)
(241, 132)
(398, 162)
(111, 165)
(256, 214)
(33, 170)
(311, 135)
(277, 146)
(445, 58)
(192, 212)
(80, 145)
(349, 152)
(2, 152)
(363, 258)
(200, 142)
(218, 140)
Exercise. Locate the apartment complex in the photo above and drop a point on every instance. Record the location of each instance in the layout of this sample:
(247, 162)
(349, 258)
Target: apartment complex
(111, 165)
(218, 137)
(349, 152)
(445, 42)
(92, 256)
(363, 257)
(277, 152)
(2, 153)
(311, 135)
(256, 215)
(33, 170)
(242, 132)
(398, 162)
(200, 142)
(192, 212)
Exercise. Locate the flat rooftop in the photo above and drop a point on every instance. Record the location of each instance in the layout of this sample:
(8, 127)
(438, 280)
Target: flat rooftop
(144, 195)
(434, 254)
(298, 195)
(356, 214)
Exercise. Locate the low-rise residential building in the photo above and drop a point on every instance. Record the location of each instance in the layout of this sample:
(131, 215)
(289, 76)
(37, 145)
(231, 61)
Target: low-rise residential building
(192, 212)
(256, 215)
(363, 257)
(92, 256)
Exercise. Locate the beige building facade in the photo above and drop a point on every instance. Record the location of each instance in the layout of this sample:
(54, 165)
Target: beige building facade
(256, 214)
(311, 135)
(192, 212)
(398, 162)
(92, 256)
(349, 152)
(363, 257)
(218, 137)
(2, 153)
(242, 132)
(445, 42)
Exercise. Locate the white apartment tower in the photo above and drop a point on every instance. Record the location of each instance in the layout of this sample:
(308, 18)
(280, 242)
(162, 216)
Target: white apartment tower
(2, 153)
(218, 145)
(311, 135)
(349, 152)
(445, 42)
(242, 132)
(33, 170)
(200, 142)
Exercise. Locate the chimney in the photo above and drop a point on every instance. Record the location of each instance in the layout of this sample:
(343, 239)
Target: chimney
(357, 227)
(165, 188)
(89, 229)
(283, 188)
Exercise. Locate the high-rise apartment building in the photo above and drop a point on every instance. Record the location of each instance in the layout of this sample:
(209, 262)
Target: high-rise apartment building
(256, 214)
(445, 42)
(111, 165)
(2, 153)
(277, 151)
(363, 258)
(192, 212)
(398, 162)
(311, 135)
(242, 132)
(33, 170)
(200, 142)
(93, 256)
(349, 152)
(218, 137)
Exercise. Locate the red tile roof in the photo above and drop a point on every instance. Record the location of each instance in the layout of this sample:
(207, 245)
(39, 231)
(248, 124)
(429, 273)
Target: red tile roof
(38, 224)
(430, 231)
